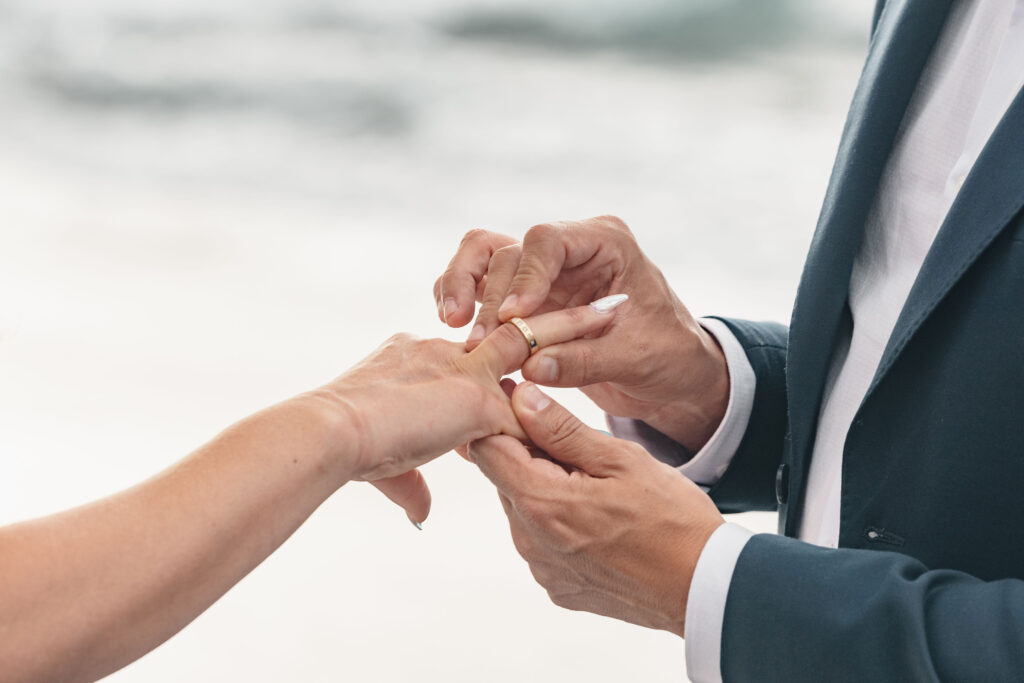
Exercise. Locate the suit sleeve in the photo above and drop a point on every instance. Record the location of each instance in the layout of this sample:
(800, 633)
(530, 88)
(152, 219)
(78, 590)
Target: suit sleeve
(879, 6)
(749, 482)
(800, 613)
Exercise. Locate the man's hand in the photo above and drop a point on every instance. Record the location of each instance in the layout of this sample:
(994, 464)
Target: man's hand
(654, 362)
(604, 527)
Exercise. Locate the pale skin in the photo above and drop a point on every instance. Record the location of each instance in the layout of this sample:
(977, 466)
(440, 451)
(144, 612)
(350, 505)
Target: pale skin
(88, 590)
(620, 533)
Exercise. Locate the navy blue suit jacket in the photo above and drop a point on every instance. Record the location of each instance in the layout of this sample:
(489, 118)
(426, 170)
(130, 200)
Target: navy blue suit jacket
(928, 583)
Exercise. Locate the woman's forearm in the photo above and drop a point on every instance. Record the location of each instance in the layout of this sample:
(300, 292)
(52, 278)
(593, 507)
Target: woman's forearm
(86, 591)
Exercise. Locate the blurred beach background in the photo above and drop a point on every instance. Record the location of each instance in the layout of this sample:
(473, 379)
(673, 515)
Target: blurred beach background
(206, 207)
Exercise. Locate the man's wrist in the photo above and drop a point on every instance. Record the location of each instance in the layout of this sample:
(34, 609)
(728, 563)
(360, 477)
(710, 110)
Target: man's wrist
(692, 420)
(692, 550)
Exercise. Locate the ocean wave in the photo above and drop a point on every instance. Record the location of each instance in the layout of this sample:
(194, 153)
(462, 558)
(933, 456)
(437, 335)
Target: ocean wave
(343, 67)
(333, 106)
(709, 30)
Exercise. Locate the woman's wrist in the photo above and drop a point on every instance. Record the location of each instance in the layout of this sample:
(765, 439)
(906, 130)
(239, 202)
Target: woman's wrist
(336, 425)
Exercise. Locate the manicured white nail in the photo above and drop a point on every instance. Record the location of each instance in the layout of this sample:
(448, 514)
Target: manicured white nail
(609, 303)
(450, 306)
(534, 398)
(417, 525)
(508, 304)
(477, 334)
(547, 370)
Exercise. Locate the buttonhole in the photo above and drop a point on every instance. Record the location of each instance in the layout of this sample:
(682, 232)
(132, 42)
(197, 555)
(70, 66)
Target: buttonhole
(880, 535)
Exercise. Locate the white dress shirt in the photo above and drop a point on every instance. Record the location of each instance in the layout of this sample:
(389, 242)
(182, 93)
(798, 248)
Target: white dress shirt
(975, 71)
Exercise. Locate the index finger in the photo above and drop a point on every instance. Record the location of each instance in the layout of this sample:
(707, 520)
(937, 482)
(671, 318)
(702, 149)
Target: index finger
(548, 250)
(456, 288)
(506, 349)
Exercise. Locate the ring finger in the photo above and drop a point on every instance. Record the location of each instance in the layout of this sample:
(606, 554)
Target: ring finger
(508, 348)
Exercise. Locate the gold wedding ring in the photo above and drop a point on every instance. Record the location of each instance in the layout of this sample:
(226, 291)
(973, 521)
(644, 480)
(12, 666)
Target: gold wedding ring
(531, 341)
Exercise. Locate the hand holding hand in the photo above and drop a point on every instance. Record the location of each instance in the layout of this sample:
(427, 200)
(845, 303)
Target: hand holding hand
(604, 527)
(412, 400)
(654, 362)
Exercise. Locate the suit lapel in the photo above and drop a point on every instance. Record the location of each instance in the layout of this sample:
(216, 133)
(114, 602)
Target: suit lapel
(906, 33)
(991, 196)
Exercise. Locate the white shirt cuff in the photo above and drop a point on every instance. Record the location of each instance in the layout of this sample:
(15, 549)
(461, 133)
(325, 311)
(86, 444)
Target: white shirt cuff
(705, 605)
(709, 463)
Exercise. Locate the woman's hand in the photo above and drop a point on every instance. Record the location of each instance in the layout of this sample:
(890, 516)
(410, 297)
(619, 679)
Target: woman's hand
(654, 362)
(412, 400)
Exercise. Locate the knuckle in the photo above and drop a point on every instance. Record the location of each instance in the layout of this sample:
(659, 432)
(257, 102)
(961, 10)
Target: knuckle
(566, 599)
(563, 427)
(615, 231)
(504, 256)
(474, 235)
(615, 223)
(489, 304)
(540, 575)
(644, 375)
(542, 232)
(585, 361)
(631, 458)
(531, 269)
(636, 452)
(492, 297)
(557, 598)
(524, 546)
(400, 339)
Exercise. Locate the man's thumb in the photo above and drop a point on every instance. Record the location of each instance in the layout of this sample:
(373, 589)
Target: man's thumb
(561, 435)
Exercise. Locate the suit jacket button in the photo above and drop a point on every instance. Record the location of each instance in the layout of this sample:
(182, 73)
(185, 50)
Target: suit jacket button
(782, 484)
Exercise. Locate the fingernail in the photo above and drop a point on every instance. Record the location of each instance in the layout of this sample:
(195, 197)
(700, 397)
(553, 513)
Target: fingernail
(608, 303)
(417, 525)
(477, 334)
(534, 398)
(450, 306)
(508, 304)
(547, 370)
